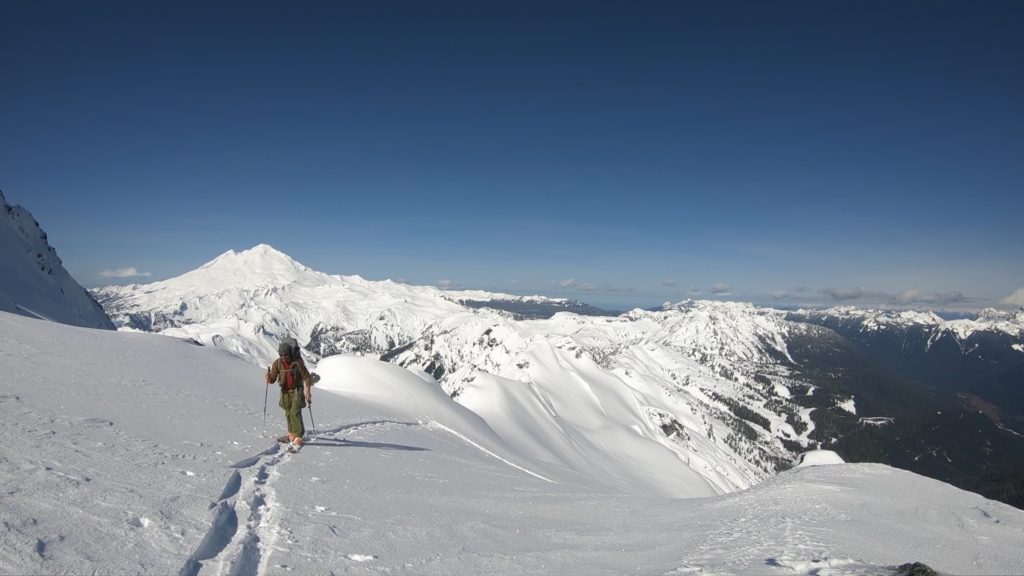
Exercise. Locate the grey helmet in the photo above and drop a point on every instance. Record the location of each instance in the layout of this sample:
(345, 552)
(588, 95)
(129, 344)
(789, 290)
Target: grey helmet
(288, 347)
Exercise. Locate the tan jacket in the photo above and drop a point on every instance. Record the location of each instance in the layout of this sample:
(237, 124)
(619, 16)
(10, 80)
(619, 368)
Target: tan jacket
(299, 370)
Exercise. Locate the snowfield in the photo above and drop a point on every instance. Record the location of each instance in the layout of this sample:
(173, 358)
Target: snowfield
(140, 453)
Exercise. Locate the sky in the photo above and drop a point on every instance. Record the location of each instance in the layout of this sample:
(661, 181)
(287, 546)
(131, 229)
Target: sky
(622, 153)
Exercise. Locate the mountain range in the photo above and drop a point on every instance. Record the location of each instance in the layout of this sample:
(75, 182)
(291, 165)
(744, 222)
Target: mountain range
(733, 391)
(469, 433)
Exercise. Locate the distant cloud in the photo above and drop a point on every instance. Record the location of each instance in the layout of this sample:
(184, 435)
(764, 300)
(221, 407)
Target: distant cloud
(129, 272)
(448, 285)
(844, 293)
(669, 283)
(721, 289)
(915, 296)
(908, 297)
(1016, 299)
(573, 284)
(794, 293)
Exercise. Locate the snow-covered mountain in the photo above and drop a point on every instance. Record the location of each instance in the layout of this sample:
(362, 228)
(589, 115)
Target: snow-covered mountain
(524, 307)
(33, 281)
(156, 462)
(668, 393)
(989, 320)
(727, 390)
(247, 301)
(980, 359)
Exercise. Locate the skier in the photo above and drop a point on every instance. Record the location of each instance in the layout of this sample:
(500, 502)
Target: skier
(290, 373)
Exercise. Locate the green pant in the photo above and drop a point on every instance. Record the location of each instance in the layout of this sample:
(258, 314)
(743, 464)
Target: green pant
(293, 401)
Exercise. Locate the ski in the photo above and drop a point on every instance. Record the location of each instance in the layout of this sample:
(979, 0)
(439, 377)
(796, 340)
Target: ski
(291, 447)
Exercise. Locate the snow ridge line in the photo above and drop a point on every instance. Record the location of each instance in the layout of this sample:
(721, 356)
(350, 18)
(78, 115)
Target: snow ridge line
(360, 426)
(486, 451)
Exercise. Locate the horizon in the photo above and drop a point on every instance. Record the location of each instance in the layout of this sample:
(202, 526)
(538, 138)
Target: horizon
(945, 313)
(620, 154)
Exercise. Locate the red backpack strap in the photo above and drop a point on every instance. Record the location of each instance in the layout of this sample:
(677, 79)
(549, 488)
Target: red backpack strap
(287, 368)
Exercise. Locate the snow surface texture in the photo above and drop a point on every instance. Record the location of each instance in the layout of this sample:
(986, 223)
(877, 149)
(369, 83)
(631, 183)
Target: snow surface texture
(666, 386)
(137, 453)
(33, 281)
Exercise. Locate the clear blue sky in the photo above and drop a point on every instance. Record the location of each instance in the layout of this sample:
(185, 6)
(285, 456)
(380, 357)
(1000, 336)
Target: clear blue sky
(624, 153)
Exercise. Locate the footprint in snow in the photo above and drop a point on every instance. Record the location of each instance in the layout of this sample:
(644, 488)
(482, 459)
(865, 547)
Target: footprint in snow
(139, 522)
(360, 557)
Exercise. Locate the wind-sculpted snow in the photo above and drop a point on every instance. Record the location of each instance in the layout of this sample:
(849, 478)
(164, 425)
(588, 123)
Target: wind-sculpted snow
(125, 453)
(576, 379)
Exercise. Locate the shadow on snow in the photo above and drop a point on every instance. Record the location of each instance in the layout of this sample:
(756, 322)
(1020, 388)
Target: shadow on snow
(334, 443)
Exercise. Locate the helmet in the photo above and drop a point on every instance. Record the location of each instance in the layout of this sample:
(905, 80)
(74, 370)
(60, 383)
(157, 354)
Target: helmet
(284, 349)
(288, 348)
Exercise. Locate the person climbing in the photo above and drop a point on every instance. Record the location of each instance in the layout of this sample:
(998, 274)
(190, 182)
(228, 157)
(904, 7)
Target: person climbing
(290, 373)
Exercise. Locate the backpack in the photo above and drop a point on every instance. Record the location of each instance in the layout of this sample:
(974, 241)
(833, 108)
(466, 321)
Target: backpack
(291, 345)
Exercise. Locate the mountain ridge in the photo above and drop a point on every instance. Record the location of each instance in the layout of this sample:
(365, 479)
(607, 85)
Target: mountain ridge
(33, 281)
(735, 391)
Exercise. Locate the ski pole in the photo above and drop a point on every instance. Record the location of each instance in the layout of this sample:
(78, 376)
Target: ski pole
(266, 392)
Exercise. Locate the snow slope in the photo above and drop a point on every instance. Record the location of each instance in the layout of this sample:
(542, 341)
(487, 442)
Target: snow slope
(139, 453)
(707, 387)
(685, 377)
(33, 281)
(666, 385)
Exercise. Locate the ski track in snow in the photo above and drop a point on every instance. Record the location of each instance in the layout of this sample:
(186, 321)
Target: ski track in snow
(227, 542)
(245, 549)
